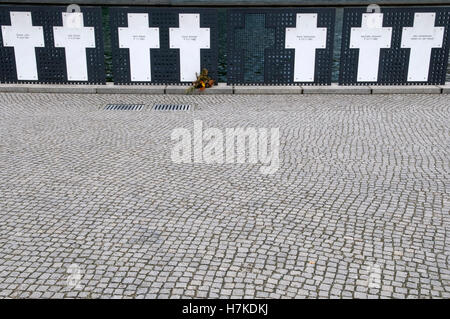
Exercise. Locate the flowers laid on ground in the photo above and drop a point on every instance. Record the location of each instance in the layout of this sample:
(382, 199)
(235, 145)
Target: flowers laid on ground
(203, 81)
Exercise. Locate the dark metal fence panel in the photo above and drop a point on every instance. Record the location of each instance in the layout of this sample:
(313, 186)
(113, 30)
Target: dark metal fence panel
(164, 61)
(254, 54)
(394, 61)
(240, 3)
(51, 61)
(257, 51)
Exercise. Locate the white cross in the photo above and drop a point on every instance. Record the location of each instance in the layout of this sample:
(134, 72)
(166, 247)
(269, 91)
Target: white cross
(24, 38)
(369, 39)
(305, 38)
(421, 38)
(189, 38)
(139, 39)
(74, 37)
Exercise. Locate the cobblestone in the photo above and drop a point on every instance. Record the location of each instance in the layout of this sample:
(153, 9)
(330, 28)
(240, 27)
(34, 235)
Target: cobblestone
(363, 182)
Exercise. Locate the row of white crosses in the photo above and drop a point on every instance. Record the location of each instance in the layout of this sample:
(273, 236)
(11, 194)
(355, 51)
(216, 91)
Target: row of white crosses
(371, 37)
(72, 36)
(139, 38)
(189, 38)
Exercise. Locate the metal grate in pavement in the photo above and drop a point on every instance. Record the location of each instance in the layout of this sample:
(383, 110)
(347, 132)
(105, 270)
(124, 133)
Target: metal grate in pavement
(171, 107)
(124, 107)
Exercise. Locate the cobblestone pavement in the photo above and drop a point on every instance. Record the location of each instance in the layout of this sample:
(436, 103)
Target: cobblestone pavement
(92, 205)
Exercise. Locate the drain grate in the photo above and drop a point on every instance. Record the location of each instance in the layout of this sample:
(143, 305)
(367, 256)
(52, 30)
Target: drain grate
(140, 106)
(124, 107)
(171, 107)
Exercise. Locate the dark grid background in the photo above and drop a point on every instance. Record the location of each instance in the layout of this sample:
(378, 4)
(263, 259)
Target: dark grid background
(165, 62)
(393, 68)
(51, 61)
(55, 59)
(256, 46)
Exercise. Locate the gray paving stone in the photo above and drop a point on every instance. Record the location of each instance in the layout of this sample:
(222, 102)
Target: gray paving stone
(362, 182)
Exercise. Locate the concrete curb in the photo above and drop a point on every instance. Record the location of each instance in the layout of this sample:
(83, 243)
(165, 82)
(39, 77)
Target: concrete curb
(336, 89)
(176, 89)
(13, 88)
(264, 89)
(445, 88)
(110, 88)
(406, 89)
(222, 88)
(48, 88)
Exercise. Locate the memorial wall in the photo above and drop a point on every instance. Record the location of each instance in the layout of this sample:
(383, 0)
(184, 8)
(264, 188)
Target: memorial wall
(264, 46)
